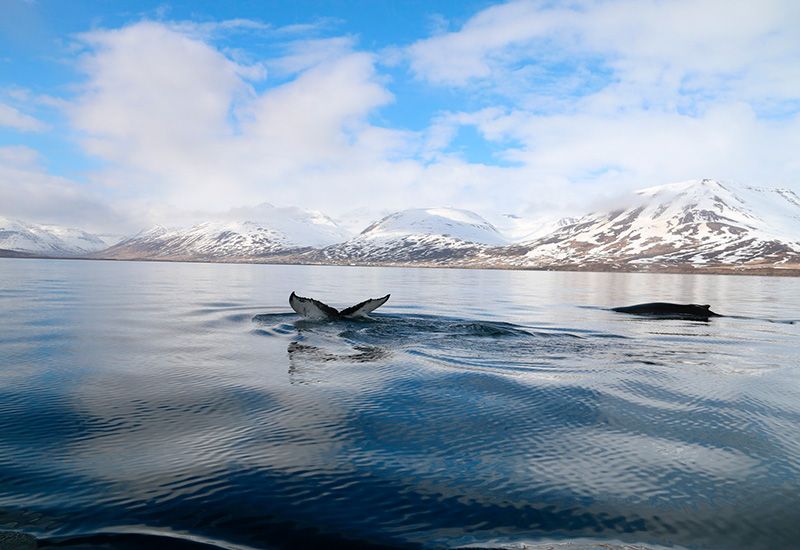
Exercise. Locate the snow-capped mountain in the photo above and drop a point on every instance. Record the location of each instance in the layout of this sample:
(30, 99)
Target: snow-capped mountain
(279, 231)
(430, 235)
(522, 229)
(355, 221)
(24, 238)
(694, 223)
(698, 224)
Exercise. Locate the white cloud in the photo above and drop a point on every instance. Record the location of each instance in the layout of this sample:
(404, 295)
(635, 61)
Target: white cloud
(13, 118)
(457, 57)
(184, 127)
(304, 54)
(729, 48)
(181, 122)
(727, 141)
(591, 97)
(28, 192)
(577, 99)
(18, 155)
(209, 28)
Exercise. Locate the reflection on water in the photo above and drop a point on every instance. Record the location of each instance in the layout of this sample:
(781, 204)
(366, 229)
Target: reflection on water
(183, 405)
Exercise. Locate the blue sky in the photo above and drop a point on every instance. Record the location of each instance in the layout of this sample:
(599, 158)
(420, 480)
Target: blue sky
(117, 115)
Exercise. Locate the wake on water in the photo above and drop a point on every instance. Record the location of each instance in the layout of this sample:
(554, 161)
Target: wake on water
(316, 351)
(466, 343)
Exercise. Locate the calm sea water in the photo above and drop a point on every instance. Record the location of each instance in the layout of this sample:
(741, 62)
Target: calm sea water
(151, 402)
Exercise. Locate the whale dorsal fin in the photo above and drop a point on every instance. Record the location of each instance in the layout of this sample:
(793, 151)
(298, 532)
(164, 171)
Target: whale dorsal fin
(365, 307)
(311, 308)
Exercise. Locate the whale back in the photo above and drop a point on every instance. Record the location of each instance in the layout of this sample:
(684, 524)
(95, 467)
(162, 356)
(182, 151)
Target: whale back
(669, 310)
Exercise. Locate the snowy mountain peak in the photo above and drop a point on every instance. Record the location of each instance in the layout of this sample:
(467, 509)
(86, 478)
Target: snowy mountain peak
(431, 235)
(697, 222)
(267, 231)
(695, 186)
(298, 226)
(452, 223)
(154, 231)
(770, 212)
(47, 240)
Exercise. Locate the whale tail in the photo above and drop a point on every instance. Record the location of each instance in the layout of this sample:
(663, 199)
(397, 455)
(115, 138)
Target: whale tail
(312, 309)
(364, 308)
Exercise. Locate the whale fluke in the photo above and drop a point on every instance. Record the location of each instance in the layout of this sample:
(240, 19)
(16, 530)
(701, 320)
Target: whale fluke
(667, 310)
(311, 308)
(317, 311)
(364, 308)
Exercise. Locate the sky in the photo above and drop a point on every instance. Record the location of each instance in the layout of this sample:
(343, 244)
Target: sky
(117, 115)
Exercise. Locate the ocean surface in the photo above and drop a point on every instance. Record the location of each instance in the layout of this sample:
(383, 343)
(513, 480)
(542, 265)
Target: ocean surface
(185, 406)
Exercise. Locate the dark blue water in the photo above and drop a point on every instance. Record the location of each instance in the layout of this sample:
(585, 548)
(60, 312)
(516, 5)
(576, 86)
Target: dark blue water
(184, 405)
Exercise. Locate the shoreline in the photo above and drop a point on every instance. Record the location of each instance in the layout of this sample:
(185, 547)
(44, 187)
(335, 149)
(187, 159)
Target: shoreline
(738, 270)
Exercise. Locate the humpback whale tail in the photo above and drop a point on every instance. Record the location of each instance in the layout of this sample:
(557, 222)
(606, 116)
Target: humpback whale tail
(316, 310)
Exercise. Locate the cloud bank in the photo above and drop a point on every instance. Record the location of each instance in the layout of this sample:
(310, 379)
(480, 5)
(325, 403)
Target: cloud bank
(605, 94)
(550, 105)
(29, 192)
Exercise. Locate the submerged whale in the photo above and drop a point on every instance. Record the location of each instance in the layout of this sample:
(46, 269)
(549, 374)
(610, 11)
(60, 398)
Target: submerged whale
(317, 311)
(667, 310)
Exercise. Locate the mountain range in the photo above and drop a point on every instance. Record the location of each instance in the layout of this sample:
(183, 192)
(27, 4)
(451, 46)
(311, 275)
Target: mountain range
(694, 224)
(698, 225)
(279, 231)
(18, 238)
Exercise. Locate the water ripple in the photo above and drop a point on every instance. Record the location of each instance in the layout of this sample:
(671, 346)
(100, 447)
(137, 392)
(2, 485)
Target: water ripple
(184, 406)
